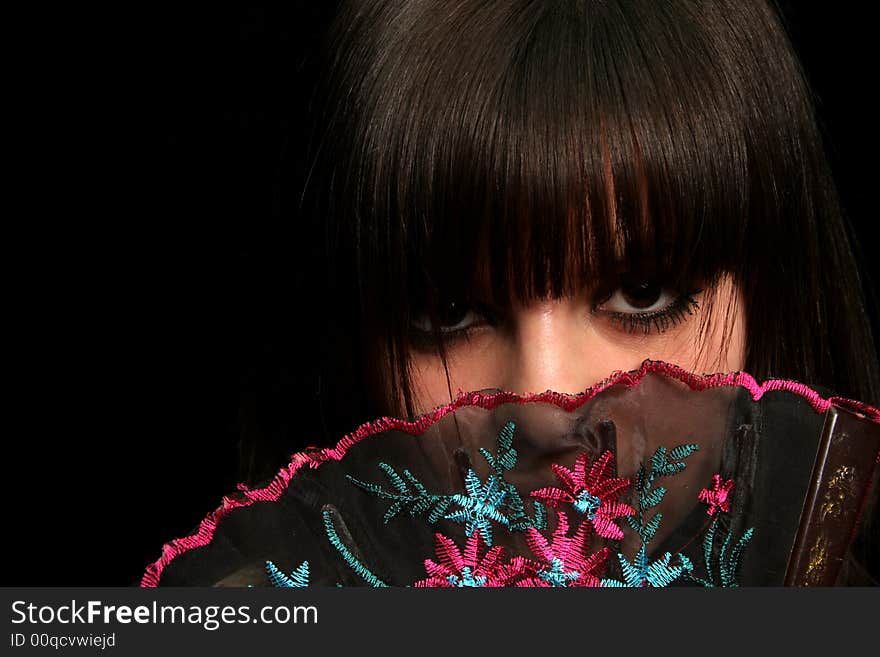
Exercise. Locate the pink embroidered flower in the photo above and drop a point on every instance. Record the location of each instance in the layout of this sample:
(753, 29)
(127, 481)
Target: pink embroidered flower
(593, 493)
(718, 497)
(476, 567)
(565, 560)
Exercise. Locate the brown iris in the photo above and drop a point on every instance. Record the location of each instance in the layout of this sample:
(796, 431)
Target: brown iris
(639, 293)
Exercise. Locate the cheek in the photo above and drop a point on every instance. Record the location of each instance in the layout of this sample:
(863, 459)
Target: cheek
(724, 342)
(719, 346)
(469, 369)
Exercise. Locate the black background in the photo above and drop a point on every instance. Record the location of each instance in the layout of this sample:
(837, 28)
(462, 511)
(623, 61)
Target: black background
(155, 264)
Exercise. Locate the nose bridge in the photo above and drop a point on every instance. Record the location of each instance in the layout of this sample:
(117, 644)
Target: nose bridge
(553, 346)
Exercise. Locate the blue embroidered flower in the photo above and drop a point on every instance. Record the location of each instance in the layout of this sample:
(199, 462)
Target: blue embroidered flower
(480, 505)
(643, 573)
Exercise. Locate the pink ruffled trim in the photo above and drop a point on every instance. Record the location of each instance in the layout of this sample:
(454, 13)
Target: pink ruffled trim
(314, 459)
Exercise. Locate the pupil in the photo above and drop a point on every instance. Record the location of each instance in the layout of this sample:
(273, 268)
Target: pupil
(452, 313)
(641, 295)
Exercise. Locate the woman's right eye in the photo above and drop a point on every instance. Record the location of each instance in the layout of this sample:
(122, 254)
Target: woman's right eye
(454, 317)
(457, 319)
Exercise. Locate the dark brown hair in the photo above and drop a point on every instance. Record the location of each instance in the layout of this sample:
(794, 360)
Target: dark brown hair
(537, 134)
(539, 138)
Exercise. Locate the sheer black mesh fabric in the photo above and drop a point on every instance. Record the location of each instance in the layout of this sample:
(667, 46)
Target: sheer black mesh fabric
(660, 434)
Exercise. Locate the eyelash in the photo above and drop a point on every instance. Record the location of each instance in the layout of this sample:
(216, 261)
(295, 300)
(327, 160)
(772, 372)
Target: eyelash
(425, 340)
(658, 321)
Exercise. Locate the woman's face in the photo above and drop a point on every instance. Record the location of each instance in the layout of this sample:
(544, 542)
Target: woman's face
(568, 344)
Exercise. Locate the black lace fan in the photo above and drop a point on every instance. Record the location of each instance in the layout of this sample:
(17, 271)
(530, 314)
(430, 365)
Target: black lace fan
(655, 477)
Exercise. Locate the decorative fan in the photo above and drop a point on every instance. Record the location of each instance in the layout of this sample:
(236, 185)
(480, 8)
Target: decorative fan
(654, 477)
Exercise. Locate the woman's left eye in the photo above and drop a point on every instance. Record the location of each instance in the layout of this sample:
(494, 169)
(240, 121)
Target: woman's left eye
(646, 306)
(638, 297)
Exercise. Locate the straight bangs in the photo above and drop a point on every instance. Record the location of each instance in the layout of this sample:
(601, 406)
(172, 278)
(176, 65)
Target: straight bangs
(529, 150)
(562, 153)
